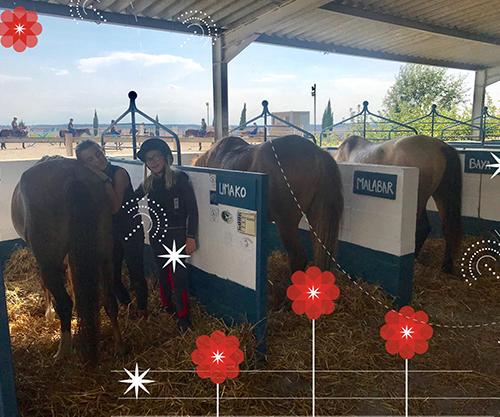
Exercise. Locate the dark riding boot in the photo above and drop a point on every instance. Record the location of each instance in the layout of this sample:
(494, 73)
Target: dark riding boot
(183, 324)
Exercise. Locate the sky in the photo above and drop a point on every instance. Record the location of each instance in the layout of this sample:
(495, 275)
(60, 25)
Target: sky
(80, 66)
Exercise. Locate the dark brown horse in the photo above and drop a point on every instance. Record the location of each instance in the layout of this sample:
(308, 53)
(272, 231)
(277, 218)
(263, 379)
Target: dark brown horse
(313, 176)
(440, 177)
(60, 208)
(77, 134)
(20, 133)
(196, 134)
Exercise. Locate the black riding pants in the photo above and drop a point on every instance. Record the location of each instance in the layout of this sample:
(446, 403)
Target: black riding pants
(132, 250)
(174, 286)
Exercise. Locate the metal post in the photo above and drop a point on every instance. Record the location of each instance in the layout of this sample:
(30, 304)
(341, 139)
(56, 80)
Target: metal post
(132, 96)
(433, 118)
(208, 113)
(265, 111)
(219, 71)
(482, 125)
(313, 93)
(365, 111)
(478, 98)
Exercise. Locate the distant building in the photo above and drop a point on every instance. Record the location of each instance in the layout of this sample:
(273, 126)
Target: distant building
(298, 118)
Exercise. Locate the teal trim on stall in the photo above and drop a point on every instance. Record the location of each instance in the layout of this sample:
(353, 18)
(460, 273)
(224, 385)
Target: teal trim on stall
(470, 225)
(393, 273)
(8, 403)
(223, 298)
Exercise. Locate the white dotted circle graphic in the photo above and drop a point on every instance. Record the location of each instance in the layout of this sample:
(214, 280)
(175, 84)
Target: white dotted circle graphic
(202, 23)
(481, 260)
(313, 231)
(79, 9)
(157, 222)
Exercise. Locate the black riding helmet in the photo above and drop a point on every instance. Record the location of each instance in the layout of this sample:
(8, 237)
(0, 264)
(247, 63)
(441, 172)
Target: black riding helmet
(155, 144)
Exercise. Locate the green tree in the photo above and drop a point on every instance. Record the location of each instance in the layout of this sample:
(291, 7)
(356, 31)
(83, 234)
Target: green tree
(327, 120)
(157, 127)
(417, 87)
(95, 124)
(243, 117)
(492, 108)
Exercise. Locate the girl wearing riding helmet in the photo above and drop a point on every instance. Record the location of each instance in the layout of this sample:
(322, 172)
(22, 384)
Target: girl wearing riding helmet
(119, 189)
(172, 191)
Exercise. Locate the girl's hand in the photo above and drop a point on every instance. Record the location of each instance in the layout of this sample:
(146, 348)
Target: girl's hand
(101, 174)
(190, 245)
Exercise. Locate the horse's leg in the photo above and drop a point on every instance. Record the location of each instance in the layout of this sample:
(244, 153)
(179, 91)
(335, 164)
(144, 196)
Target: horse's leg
(53, 279)
(423, 230)
(289, 233)
(50, 313)
(111, 306)
(452, 243)
(69, 278)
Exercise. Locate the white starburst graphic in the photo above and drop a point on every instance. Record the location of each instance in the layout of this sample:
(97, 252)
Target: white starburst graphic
(407, 332)
(481, 259)
(218, 356)
(174, 256)
(19, 29)
(497, 165)
(136, 381)
(200, 23)
(313, 292)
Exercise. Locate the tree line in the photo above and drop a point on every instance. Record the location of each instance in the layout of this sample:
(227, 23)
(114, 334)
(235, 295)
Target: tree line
(415, 89)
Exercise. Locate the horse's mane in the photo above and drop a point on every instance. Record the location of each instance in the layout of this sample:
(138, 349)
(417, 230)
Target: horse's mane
(230, 152)
(354, 141)
(46, 158)
(233, 144)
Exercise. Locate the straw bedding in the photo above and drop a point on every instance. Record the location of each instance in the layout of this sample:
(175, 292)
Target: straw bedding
(346, 341)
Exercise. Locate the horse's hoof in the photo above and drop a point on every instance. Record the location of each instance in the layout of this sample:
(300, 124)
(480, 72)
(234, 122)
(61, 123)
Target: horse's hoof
(50, 314)
(65, 347)
(62, 354)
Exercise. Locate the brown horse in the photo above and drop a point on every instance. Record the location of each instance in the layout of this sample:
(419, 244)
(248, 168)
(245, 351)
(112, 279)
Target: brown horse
(77, 134)
(313, 177)
(20, 133)
(440, 177)
(196, 134)
(60, 208)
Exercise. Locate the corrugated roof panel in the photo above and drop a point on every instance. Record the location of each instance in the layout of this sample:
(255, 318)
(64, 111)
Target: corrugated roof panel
(353, 24)
(474, 15)
(245, 15)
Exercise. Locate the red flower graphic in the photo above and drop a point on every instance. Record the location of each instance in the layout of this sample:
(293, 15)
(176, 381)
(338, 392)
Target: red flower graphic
(313, 292)
(217, 357)
(19, 28)
(406, 332)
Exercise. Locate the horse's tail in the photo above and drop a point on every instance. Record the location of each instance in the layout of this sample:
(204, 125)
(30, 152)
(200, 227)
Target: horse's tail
(326, 211)
(448, 198)
(84, 260)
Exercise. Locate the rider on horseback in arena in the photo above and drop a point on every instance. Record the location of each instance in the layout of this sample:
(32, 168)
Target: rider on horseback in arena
(15, 127)
(71, 129)
(203, 130)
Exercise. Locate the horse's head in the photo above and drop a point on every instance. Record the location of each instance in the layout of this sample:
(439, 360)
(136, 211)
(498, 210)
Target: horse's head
(348, 147)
